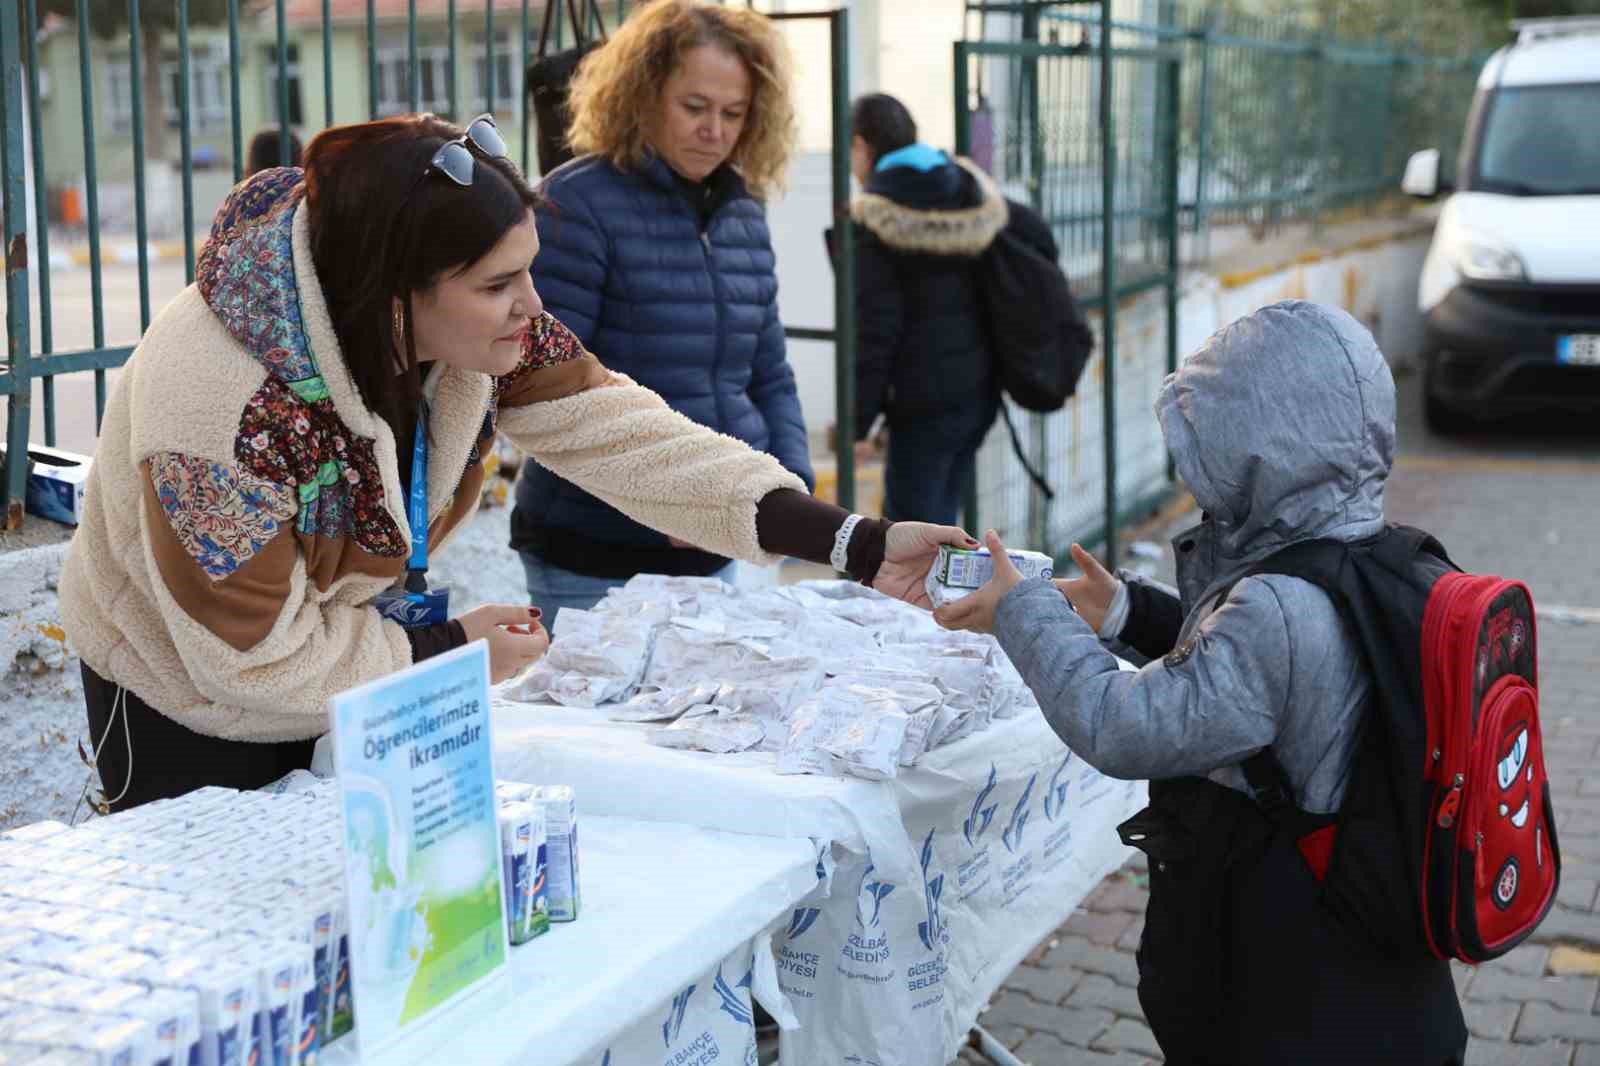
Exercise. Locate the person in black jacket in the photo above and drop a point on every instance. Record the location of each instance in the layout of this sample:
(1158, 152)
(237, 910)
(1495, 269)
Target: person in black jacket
(922, 357)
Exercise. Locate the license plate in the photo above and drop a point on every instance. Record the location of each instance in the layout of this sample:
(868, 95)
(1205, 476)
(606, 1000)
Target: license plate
(1579, 349)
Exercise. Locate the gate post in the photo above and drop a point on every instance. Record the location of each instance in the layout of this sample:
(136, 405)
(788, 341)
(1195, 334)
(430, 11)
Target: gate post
(1038, 505)
(844, 272)
(969, 491)
(13, 185)
(1108, 283)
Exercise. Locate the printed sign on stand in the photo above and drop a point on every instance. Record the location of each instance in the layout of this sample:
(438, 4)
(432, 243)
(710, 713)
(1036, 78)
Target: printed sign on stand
(422, 844)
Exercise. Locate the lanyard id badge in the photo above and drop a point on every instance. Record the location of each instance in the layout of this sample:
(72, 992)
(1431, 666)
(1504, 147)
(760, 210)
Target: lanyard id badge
(416, 605)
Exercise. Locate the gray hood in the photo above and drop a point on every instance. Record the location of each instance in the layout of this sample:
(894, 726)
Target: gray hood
(1282, 426)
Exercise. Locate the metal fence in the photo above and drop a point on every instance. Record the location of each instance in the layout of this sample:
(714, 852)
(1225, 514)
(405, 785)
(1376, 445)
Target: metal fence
(1190, 121)
(1074, 128)
(1284, 117)
(416, 75)
(1217, 122)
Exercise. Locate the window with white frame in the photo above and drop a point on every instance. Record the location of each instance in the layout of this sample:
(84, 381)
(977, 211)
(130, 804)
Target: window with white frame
(119, 93)
(394, 76)
(291, 70)
(208, 89)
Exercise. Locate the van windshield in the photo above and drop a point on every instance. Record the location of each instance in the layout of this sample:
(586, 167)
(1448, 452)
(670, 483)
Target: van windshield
(1541, 140)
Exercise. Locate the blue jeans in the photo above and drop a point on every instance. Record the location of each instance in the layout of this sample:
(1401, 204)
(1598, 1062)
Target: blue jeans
(551, 588)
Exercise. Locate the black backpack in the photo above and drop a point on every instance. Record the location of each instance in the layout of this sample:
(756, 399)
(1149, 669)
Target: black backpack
(1420, 861)
(549, 78)
(1038, 338)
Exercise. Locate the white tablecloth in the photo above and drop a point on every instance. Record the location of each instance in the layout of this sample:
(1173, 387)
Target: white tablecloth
(674, 933)
(941, 880)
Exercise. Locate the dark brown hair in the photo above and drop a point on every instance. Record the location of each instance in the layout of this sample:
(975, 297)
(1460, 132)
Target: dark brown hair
(883, 122)
(263, 153)
(380, 230)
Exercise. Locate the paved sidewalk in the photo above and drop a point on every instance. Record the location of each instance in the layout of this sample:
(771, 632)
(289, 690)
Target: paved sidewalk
(1073, 1003)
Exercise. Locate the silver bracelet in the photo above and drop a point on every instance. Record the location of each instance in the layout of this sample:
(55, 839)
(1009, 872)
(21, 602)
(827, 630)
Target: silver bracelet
(841, 544)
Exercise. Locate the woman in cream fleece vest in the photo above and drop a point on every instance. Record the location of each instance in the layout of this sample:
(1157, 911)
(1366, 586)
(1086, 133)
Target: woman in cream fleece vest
(248, 499)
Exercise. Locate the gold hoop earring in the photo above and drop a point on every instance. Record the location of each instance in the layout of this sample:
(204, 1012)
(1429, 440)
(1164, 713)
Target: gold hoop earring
(397, 325)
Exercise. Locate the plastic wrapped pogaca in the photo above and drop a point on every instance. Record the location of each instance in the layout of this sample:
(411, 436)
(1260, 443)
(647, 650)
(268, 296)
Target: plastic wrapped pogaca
(685, 655)
(859, 730)
(721, 730)
(593, 659)
(665, 705)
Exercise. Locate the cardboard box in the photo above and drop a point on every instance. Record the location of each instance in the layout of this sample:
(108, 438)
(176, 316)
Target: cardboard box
(56, 479)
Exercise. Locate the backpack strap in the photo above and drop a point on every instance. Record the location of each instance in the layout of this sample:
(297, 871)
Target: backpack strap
(1269, 786)
(1022, 456)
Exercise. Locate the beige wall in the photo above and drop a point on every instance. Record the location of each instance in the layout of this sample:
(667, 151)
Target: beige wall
(915, 45)
(901, 47)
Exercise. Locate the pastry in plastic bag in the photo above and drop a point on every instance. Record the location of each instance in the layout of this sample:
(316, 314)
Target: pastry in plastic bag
(664, 705)
(722, 731)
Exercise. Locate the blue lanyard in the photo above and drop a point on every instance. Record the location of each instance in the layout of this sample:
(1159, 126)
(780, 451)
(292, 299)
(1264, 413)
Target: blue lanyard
(417, 507)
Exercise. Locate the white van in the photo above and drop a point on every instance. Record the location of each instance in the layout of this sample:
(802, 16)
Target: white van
(1510, 290)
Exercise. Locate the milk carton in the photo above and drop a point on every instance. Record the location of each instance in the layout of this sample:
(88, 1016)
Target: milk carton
(228, 998)
(282, 969)
(513, 791)
(35, 832)
(175, 1016)
(311, 926)
(561, 832)
(102, 1040)
(523, 858)
(536, 898)
(958, 571)
(339, 1011)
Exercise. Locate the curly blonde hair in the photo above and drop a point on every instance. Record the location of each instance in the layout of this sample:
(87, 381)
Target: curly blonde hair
(619, 86)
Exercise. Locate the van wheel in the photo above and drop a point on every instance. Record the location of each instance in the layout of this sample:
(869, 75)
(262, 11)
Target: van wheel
(1439, 417)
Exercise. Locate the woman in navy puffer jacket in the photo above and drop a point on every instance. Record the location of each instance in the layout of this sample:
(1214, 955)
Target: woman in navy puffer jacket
(655, 252)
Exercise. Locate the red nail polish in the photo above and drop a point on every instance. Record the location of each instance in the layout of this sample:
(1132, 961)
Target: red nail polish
(534, 612)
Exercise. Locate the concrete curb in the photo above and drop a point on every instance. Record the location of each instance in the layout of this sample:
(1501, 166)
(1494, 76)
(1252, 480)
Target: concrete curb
(122, 253)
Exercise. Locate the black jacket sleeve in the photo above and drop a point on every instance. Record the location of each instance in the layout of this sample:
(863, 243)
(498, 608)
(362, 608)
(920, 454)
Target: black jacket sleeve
(1155, 617)
(803, 527)
(428, 641)
(880, 326)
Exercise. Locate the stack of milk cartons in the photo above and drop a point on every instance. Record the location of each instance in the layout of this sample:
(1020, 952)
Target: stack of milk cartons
(204, 930)
(547, 851)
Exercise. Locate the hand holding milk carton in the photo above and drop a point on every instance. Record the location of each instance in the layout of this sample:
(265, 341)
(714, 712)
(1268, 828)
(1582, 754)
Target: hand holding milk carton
(958, 572)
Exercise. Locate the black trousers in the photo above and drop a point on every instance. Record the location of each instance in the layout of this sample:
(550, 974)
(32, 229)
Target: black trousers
(930, 462)
(168, 759)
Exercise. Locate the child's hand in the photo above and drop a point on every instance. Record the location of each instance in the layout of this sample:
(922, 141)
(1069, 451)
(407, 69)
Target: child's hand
(975, 611)
(1092, 593)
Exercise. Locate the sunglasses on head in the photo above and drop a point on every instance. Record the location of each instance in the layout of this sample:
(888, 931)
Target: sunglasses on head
(455, 161)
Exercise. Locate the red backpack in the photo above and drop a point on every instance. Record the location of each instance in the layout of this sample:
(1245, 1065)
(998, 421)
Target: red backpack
(1446, 838)
(1491, 867)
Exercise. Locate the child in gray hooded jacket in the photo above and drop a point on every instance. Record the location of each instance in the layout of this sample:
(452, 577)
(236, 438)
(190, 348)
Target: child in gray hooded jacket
(1282, 427)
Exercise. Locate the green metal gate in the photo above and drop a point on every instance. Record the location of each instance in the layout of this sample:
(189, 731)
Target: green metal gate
(1087, 133)
(372, 62)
